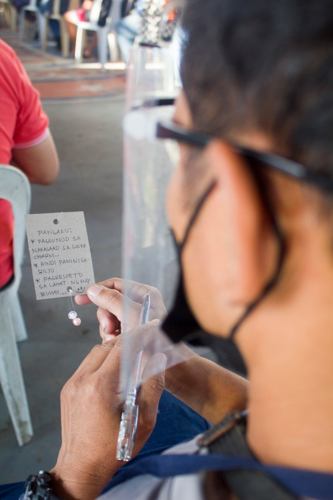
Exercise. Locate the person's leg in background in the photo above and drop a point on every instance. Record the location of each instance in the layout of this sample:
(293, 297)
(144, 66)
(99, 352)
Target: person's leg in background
(127, 29)
(72, 19)
(54, 24)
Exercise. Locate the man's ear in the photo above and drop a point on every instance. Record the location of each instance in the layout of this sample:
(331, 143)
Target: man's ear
(250, 244)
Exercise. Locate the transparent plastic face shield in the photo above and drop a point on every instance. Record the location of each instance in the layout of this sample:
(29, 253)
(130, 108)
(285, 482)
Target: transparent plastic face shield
(150, 266)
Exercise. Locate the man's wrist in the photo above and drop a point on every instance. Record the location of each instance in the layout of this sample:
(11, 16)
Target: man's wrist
(75, 485)
(72, 482)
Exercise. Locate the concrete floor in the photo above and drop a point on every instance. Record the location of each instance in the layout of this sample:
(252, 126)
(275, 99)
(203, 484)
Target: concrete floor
(89, 141)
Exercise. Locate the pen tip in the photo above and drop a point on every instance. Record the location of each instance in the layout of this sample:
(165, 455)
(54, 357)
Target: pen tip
(147, 301)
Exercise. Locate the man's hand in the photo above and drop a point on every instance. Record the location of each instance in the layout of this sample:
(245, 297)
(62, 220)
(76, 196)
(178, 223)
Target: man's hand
(109, 296)
(90, 417)
(206, 387)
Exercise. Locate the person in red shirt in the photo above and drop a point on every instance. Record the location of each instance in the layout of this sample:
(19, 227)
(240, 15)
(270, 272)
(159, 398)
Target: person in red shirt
(25, 142)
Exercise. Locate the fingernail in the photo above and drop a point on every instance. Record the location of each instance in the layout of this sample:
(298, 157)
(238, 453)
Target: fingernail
(155, 322)
(109, 336)
(94, 290)
(103, 327)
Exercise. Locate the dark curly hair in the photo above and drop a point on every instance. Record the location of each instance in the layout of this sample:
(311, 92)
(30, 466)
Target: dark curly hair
(263, 65)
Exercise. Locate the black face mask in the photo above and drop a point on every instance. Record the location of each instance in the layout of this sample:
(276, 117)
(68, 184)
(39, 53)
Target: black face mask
(180, 323)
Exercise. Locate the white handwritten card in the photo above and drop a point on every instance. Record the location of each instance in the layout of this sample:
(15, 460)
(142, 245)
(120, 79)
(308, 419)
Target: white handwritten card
(60, 254)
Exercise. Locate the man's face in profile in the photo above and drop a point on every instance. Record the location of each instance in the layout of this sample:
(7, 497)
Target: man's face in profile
(217, 285)
(190, 180)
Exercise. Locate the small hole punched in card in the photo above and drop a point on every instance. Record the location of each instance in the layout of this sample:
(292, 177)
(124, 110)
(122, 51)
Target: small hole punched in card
(60, 254)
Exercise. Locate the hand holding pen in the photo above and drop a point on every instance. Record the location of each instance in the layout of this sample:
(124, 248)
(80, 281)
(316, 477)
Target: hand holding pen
(130, 415)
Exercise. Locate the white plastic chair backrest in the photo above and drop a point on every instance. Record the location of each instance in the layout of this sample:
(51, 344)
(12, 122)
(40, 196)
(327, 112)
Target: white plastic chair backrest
(15, 187)
(95, 11)
(56, 8)
(114, 13)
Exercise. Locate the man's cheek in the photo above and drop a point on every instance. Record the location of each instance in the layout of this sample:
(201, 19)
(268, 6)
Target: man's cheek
(171, 199)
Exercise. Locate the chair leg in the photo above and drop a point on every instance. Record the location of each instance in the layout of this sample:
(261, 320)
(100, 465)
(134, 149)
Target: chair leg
(22, 19)
(79, 44)
(13, 19)
(41, 22)
(102, 46)
(64, 38)
(113, 46)
(12, 380)
(5, 12)
(18, 319)
(46, 34)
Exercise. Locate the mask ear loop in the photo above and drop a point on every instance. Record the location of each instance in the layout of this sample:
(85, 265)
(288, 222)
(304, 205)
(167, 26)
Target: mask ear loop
(280, 259)
(72, 313)
(269, 286)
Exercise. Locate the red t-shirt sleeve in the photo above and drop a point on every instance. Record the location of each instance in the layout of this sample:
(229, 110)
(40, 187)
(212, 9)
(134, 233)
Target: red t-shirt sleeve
(23, 122)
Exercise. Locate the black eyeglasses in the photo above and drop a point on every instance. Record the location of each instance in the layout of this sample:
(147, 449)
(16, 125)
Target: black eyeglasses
(170, 130)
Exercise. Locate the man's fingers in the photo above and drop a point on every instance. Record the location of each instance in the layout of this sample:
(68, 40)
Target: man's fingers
(82, 300)
(112, 283)
(103, 297)
(110, 368)
(109, 324)
(136, 291)
(150, 393)
(112, 301)
(95, 359)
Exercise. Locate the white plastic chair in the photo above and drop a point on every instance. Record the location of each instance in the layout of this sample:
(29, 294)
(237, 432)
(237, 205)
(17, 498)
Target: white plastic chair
(10, 14)
(14, 187)
(32, 7)
(64, 38)
(102, 31)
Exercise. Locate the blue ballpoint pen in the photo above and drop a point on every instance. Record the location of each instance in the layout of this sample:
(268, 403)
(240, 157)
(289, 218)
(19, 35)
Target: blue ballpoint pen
(130, 414)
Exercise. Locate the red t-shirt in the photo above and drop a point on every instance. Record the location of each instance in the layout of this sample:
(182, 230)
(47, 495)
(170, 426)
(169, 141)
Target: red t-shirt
(23, 123)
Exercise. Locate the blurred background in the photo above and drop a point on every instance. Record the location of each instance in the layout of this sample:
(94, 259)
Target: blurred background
(85, 107)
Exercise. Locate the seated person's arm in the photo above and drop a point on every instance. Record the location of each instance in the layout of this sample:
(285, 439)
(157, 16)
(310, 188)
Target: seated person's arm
(39, 162)
(25, 124)
(207, 388)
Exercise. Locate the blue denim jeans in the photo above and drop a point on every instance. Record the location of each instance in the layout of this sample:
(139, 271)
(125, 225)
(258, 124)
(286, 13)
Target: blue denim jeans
(127, 29)
(176, 423)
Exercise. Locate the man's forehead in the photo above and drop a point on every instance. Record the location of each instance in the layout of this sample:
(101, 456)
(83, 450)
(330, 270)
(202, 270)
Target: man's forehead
(182, 114)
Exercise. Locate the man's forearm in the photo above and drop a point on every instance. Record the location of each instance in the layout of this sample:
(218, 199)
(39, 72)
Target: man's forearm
(210, 390)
